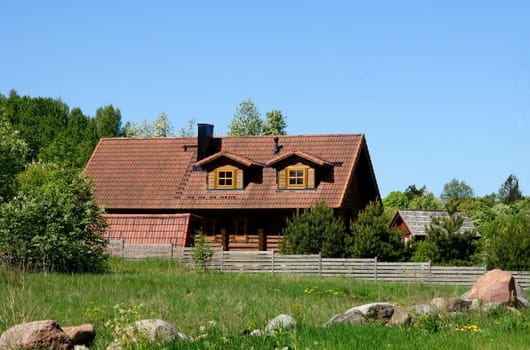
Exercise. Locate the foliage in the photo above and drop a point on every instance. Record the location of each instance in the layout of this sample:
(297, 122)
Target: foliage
(161, 127)
(246, 121)
(396, 200)
(53, 223)
(274, 124)
(372, 236)
(456, 190)
(108, 121)
(509, 192)
(412, 191)
(314, 230)
(445, 243)
(201, 253)
(426, 201)
(510, 242)
(479, 210)
(190, 128)
(13, 151)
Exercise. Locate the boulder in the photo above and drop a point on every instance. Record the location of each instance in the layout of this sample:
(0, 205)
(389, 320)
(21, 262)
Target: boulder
(81, 335)
(400, 317)
(451, 305)
(281, 321)
(352, 316)
(151, 330)
(381, 312)
(495, 286)
(37, 335)
(423, 309)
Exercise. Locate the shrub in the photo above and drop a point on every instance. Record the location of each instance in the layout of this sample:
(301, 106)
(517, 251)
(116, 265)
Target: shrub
(53, 223)
(201, 253)
(314, 230)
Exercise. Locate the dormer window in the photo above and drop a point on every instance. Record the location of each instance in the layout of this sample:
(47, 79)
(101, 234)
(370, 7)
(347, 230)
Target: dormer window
(296, 177)
(225, 178)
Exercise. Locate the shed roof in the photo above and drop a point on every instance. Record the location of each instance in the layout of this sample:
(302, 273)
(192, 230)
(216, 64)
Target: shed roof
(416, 221)
(148, 228)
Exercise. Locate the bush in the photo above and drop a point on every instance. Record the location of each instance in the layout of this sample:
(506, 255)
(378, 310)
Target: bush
(201, 253)
(315, 230)
(53, 223)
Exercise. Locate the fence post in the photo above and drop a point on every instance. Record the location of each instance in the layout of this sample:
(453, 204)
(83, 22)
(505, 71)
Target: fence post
(319, 263)
(222, 258)
(375, 268)
(430, 272)
(273, 261)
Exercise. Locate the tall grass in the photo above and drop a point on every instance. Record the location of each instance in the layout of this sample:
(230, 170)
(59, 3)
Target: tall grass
(222, 305)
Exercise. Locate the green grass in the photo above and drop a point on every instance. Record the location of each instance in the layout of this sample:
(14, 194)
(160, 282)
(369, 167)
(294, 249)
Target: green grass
(221, 305)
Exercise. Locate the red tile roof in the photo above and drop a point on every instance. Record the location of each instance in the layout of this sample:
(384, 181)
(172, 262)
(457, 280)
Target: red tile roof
(148, 229)
(159, 173)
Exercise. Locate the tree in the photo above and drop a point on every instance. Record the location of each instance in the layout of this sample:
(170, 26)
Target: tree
(509, 244)
(190, 129)
(412, 192)
(458, 190)
(396, 200)
(314, 230)
(161, 127)
(274, 124)
(509, 192)
(53, 223)
(372, 236)
(426, 201)
(445, 243)
(246, 121)
(13, 152)
(108, 121)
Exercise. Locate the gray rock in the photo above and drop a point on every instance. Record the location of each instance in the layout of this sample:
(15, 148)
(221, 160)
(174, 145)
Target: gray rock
(37, 335)
(352, 316)
(400, 317)
(451, 305)
(381, 312)
(281, 321)
(423, 309)
(152, 330)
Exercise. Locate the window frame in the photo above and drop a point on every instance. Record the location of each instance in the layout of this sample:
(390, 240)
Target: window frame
(288, 177)
(218, 179)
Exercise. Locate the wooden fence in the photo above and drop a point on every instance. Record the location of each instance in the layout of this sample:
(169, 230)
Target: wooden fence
(271, 262)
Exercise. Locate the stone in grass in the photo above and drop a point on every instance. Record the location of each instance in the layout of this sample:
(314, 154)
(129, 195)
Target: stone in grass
(152, 330)
(352, 316)
(81, 335)
(400, 317)
(451, 304)
(380, 312)
(281, 321)
(46, 334)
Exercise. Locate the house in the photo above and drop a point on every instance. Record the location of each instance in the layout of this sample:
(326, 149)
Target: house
(239, 190)
(413, 223)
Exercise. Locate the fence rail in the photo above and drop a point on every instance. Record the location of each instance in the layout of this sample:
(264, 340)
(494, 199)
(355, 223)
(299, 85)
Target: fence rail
(271, 262)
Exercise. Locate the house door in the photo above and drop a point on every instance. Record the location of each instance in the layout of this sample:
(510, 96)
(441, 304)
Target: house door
(240, 230)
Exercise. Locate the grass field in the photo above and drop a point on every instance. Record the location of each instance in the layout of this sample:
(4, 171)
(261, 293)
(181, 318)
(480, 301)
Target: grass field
(219, 306)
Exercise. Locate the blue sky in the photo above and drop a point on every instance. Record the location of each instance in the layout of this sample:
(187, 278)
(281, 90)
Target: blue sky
(440, 88)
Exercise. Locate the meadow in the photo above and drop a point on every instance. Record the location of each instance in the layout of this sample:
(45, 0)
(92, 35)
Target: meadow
(217, 308)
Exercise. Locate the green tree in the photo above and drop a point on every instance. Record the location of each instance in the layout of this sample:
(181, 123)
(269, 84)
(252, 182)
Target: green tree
(246, 121)
(372, 236)
(274, 124)
(445, 243)
(53, 223)
(314, 230)
(396, 200)
(426, 201)
(509, 245)
(457, 190)
(412, 192)
(161, 127)
(201, 253)
(108, 121)
(509, 192)
(190, 129)
(13, 152)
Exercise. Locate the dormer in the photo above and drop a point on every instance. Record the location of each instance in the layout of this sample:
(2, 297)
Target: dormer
(228, 171)
(299, 170)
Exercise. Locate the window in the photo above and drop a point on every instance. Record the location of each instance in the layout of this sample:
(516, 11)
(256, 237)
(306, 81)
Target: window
(296, 177)
(225, 179)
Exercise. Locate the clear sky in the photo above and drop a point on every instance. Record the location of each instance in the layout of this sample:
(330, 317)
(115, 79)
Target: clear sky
(440, 88)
